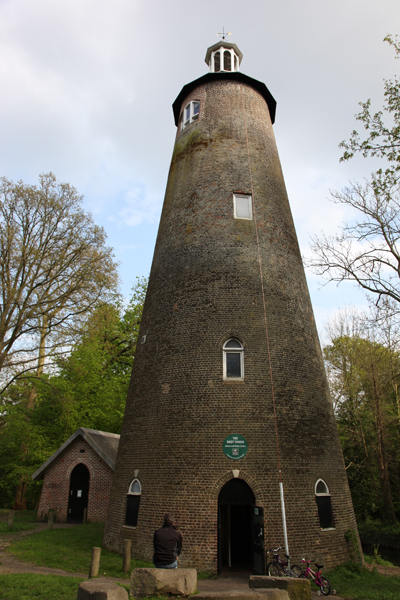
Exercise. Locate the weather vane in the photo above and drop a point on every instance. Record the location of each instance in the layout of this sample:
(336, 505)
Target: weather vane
(223, 34)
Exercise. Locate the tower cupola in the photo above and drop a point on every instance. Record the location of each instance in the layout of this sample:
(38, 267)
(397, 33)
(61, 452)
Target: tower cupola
(223, 57)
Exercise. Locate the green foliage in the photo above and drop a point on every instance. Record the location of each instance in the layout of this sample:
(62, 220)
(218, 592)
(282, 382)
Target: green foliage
(364, 383)
(376, 558)
(88, 390)
(383, 139)
(374, 533)
(27, 586)
(55, 268)
(23, 521)
(351, 538)
(354, 582)
(71, 550)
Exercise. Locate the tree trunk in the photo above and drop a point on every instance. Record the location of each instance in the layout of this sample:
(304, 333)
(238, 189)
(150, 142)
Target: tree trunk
(20, 496)
(383, 464)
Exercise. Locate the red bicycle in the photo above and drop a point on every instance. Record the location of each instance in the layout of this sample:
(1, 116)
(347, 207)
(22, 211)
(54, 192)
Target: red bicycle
(322, 582)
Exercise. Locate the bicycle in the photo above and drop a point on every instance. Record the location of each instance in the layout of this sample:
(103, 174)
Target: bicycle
(322, 582)
(279, 568)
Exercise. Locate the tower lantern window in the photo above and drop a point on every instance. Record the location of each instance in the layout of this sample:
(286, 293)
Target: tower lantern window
(227, 61)
(191, 112)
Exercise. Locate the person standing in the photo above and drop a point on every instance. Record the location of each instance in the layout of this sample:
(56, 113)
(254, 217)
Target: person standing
(167, 544)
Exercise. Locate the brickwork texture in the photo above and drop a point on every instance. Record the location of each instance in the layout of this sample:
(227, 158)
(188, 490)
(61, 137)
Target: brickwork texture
(205, 288)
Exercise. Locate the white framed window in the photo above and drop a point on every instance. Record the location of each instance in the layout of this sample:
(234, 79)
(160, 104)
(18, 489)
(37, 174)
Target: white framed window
(233, 360)
(242, 207)
(324, 504)
(190, 113)
(224, 59)
(132, 503)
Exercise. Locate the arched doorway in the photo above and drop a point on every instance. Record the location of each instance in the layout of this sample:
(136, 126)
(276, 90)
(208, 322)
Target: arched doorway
(78, 493)
(235, 509)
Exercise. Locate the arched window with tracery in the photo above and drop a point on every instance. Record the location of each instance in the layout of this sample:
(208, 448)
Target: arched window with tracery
(233, 360)
(324, 504)
(132, 503)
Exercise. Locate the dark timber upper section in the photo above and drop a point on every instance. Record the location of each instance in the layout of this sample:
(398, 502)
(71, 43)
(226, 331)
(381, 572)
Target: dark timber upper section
(235, 76)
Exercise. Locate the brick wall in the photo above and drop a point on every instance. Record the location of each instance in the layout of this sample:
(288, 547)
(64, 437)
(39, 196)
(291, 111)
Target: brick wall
(205, 288)
(55, 491)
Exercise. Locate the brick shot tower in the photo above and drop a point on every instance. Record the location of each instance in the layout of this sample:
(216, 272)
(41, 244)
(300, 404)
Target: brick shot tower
(229, 422)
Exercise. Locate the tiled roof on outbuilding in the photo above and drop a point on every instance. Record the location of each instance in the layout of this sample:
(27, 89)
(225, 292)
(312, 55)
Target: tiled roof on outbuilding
(102, 442)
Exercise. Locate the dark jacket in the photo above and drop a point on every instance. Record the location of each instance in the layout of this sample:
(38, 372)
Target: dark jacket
(167, 545)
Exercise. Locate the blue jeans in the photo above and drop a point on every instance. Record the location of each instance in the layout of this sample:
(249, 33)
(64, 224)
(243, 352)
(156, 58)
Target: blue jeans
(173, 565)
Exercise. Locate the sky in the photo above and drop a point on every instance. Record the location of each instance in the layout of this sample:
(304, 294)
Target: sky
(87, 88)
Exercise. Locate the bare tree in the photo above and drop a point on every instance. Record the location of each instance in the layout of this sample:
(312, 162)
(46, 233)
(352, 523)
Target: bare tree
(54, 269)
(367, 249)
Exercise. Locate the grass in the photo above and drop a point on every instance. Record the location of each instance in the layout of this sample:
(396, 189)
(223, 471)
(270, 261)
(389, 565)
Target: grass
(71, 550)
(23, 520)
(28, 586)
(357, 583)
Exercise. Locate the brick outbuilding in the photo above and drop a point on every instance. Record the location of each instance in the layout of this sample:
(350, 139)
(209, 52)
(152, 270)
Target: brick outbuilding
(78, 477)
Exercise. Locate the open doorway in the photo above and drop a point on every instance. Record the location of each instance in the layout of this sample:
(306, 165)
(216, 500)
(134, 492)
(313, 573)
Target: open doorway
(235, 503)
(78, 493)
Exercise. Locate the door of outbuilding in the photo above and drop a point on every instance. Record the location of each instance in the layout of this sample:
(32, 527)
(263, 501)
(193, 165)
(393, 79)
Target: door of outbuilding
(78, 493)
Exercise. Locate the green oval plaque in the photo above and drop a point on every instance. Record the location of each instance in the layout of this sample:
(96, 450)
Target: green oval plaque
(235, 446)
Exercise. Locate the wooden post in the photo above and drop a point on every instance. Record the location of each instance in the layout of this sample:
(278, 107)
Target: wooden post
(50, 521)
(95, 562)
(10, 521)
(84, 515)
(127, 556)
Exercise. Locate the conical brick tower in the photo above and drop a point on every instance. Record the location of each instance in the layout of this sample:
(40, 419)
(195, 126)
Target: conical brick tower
(228, 411)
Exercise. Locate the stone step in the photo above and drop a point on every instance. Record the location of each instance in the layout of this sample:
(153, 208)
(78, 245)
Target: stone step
(240, 594)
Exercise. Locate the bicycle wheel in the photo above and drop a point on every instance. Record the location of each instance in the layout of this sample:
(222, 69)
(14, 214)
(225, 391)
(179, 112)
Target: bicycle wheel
(296, 571)
(273, 570)
(325, 587)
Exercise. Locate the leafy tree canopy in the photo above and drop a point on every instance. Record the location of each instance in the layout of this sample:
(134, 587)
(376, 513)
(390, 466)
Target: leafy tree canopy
(88, 390)
(54, 269)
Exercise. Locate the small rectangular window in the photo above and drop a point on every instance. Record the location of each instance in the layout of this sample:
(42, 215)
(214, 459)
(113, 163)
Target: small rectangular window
(242, 208)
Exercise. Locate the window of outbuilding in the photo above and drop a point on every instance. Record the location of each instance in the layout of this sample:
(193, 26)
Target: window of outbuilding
(190, 113)
(132, 503)
(324, 504)
(233, 360)
(242, 207)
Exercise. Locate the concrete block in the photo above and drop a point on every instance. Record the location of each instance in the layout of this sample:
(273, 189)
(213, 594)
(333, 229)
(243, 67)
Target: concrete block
(100, 589)
(298, 589)
(178, 582)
